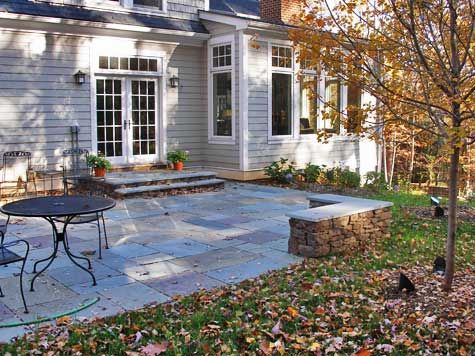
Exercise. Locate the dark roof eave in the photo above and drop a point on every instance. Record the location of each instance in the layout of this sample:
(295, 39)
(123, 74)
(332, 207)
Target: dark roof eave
(69, 12)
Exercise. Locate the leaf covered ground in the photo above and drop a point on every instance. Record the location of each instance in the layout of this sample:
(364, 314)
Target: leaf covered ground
(333, 305)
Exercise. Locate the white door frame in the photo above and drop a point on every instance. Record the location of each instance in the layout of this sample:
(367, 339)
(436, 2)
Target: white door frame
(160, 112)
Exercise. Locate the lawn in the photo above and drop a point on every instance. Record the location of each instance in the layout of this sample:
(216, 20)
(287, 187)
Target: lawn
(330, 305)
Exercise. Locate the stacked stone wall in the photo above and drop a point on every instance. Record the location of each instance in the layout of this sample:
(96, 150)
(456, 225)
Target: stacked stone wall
(339, 235)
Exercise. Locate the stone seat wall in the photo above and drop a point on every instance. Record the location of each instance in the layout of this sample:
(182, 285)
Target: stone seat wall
(337, 224)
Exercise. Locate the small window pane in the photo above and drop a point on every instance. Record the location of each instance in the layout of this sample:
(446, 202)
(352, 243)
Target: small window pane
(100, 118)
(100, 86)
(153, 65)
(222, 104)
(124, 63)
(114, 63)
(134, 64)
(281, 104)
(104, 62)
(143, 64)
(222, 56)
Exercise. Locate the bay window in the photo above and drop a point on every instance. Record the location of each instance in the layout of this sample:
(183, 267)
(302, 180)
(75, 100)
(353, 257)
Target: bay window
(282, 79)
(221, 92)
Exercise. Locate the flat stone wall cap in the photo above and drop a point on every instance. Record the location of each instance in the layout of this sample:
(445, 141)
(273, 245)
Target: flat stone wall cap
(340, 206)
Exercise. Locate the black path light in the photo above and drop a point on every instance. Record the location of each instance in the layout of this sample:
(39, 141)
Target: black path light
(80, 77)
(438, 210)
(439, 266)
(405, 284)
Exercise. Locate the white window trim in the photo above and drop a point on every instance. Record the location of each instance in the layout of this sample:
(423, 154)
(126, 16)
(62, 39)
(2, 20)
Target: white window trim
(295, 97)
(127, 5)
(213, 42)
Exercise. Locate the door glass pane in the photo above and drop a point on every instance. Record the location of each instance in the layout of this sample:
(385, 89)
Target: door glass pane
(109, 117)
(222, 104)
(143, 117)
(281, 104)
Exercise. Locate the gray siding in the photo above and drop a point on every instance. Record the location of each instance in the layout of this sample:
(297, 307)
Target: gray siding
(38, 97)
(185, 9)
(187, 105)
(339, 151)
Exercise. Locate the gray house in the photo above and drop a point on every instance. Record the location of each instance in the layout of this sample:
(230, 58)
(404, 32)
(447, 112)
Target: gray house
(217, 78)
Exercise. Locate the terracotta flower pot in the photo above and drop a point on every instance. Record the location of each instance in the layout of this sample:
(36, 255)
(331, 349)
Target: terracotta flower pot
(178, 166)
(99, 172)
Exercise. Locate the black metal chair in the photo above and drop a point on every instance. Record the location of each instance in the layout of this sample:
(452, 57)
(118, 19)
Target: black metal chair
(28, 175)
(7, 257)
(75, 167)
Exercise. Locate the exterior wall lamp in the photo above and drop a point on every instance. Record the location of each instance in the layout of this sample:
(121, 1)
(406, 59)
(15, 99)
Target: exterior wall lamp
(80, 77)
(174, 82)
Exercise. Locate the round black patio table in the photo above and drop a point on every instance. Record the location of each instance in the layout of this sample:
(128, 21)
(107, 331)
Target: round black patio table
(50, 208)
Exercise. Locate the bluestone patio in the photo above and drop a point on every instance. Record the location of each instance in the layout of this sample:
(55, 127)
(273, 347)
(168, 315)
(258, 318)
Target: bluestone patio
(159, 248)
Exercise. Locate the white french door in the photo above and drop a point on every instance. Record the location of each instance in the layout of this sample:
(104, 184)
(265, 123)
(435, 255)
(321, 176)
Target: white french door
(127, 119)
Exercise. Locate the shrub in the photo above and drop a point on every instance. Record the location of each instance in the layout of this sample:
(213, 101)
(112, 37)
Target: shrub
(342, 177)
(312, 172)
(348, 179)
(375, 181)
(281, 171)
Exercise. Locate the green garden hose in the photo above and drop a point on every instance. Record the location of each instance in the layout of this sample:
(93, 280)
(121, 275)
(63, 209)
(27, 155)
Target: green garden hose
(82, 306)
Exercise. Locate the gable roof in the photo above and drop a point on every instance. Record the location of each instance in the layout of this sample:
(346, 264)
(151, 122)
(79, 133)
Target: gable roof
(236, 7)
(27, 7)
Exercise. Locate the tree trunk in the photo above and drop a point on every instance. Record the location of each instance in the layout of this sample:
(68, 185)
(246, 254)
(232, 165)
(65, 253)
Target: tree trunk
(452, 228)
(413, 156)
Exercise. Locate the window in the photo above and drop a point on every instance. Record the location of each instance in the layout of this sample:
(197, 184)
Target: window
(281, 104)
(134, 64)
(282, 81)
(150, 3)
(221, 95)
(308, 105)
(331, 120)
(222, 56)
(281, 57)
(353, 107)
(222, 104)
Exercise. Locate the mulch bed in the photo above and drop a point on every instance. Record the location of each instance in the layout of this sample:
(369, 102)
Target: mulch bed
(465, 213)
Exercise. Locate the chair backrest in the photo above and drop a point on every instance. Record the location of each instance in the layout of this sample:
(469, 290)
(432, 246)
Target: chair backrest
(16, 164)
(75, 163)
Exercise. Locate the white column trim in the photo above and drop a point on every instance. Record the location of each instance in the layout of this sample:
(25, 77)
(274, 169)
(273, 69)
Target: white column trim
(244, 100)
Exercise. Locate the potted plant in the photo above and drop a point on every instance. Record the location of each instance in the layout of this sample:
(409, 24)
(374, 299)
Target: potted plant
(99, 164)
(178, 158)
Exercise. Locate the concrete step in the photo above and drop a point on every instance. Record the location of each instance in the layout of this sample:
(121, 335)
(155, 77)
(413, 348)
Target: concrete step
(152, 178)
(196, 186)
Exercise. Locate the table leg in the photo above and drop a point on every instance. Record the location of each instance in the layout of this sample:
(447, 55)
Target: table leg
(58, 237)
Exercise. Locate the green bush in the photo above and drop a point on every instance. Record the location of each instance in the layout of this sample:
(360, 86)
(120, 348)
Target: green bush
(280, 171)
(312, 173)
(348, 179)
(342, 177)
(375, 181)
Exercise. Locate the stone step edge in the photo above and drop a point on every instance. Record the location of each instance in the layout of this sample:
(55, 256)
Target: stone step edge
(165, 187)
(136, 182)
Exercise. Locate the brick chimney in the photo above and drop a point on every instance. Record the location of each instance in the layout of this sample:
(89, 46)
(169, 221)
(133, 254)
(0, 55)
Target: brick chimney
(280, 11)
